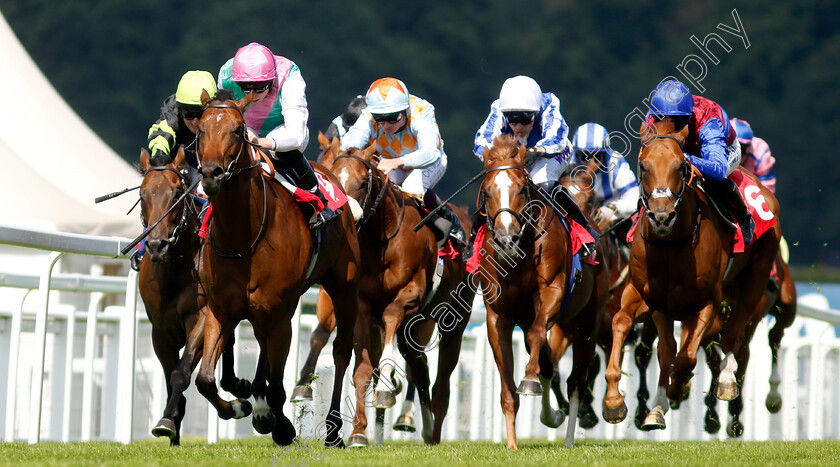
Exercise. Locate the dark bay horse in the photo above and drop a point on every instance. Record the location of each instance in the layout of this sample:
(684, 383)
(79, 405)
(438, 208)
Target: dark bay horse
(397, 296)
(525, 272)
(679, 258)
(171, 292)
(580, 180)
(256, 266)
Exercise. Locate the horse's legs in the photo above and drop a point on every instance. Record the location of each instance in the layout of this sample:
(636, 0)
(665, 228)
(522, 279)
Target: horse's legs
(711, 422)
(500, 335)
(239, 387)
(345, 316)
(784, 309)
(735, 428)
(665, 352)
(537, 341)
(215, 337)
(584, 341)
(694, 329)
(643, 354)
(263, 419)
(419, 371)
(366, 356)
(615, 410)
(405, 421)
(319, 338)
(406, 302)
(559, 344)
(277, 336)
(167, 354)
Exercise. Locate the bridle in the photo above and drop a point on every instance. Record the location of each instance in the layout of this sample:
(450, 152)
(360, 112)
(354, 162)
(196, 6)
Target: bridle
(523, 222)
(664, 192)
(367, 208)
(185, 212)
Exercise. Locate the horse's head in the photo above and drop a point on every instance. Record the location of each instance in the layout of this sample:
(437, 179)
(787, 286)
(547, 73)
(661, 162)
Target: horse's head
(162, 186)
(222, 149)
(664, 173)
(356, 171)
(580, 181)
(505, 193)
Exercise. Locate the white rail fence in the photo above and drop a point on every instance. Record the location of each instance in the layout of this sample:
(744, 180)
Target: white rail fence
(91, 374)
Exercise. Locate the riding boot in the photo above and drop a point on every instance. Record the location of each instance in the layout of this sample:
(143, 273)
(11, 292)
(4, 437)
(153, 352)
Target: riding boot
(730, 193)
(137, 256)
(477, 223)
(567, 204)
(446, 221)
(306, 179)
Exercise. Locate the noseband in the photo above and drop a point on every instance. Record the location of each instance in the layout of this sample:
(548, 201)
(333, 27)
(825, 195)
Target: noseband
(665, 192)
(370, 210)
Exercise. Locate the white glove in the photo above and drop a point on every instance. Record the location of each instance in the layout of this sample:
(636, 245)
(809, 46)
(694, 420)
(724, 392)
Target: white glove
(605, 215)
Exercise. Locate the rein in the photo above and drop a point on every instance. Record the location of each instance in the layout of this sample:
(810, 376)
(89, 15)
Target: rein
(385, 184)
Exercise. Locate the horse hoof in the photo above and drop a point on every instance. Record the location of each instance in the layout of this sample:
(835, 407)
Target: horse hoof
(405, 423)
(241, 388)
(302, 393)
(284, 433)
(263, 424)
(735, 429)
(357, 440)
(615, 415)
(773, 403)
(711, 423)
(727, 391)
(587, 418)
(654, 421)
(641, 415)
(529, 388)
(241, 408)
(165, 427)
(384, 399)
(552, 419)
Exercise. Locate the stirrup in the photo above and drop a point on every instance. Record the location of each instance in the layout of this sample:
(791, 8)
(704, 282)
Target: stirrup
(320, 219)
(134, 260)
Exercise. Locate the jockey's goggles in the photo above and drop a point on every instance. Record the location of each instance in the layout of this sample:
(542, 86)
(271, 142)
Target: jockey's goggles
(191, 114)
(518, 116)
(254, 87)
(388, 118)
(585, 156)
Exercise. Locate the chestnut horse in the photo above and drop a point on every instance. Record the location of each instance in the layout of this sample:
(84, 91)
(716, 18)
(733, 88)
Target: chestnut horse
(679, 258)
(171, 292)
(257, 265)
(525, 271)
(397, 294)
(580, 181)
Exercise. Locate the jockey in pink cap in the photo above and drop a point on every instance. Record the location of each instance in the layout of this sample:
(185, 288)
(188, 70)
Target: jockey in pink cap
(278, 114)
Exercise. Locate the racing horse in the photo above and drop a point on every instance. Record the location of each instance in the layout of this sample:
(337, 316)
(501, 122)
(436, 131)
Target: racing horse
(581, 180)
(405, 289)
(525, 272)
(259, 259)
(171, 292)
(683, 268)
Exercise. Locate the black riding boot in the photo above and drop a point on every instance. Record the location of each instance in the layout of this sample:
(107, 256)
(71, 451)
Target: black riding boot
(298, 164)
(566, 202)
(446, 221)
(477, 223)
(728, 192)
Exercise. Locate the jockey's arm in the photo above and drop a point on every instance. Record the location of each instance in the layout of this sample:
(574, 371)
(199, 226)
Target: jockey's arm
(491, 128)
(162, 136)
(712, 162)
(293, 133)
(359, 135)
(625, 190)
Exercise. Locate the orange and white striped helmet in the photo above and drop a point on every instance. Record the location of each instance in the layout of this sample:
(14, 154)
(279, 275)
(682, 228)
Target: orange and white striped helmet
(387, 95)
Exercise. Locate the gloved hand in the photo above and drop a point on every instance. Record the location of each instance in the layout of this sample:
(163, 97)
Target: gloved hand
(531, 156)
(605, 216)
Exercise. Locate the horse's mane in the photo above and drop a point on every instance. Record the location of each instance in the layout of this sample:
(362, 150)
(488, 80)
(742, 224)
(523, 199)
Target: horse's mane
(504, 149)
(222, 95)
(663, 127)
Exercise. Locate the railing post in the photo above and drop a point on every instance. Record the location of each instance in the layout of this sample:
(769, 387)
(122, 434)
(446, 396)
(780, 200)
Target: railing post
(11, 388)
(127, 350)
(40, 348)
(90, 356)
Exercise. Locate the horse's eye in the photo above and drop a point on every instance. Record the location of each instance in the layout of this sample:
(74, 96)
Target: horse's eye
(363, 186)
(239, 131)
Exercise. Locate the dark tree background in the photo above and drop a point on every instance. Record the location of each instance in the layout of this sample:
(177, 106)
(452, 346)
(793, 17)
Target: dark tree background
(115, 61)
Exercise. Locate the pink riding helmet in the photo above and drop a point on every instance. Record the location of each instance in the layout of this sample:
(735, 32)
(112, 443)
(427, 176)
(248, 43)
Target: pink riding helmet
(253, 63)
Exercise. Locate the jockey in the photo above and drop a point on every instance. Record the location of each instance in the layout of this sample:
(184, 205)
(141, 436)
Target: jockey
(178, 122)
(616, 188)
(755, 154)
(711, 144)
(339, 126)
(533, 116)
(277, 116)
(407, 139)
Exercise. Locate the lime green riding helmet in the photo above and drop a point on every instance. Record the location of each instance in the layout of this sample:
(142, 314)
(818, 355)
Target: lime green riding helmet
(188, 94)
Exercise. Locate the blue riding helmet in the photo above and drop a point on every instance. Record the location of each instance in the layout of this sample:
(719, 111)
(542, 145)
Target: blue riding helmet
(743, 130)
(671, 98)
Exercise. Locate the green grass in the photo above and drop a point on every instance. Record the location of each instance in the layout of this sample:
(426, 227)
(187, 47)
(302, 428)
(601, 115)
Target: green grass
(196, 452)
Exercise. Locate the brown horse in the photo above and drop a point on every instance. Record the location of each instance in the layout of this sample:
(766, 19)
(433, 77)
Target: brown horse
(580, 181)
(171, 292)
(260, 258)
(525, 271)
(397, 294)
(679, 258)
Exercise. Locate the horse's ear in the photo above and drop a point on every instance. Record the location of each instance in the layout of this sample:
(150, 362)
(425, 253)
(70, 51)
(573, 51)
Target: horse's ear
(205, 97)
(322, 139)
(179, 158)
(242, 104)
(330, 149)
(646, 133)
(520, 155)
(145, 159)
(682, 135)
(368, 152)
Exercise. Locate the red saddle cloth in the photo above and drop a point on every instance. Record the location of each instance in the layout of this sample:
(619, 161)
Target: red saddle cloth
(762, 215)
(335, 199)
(578, 234)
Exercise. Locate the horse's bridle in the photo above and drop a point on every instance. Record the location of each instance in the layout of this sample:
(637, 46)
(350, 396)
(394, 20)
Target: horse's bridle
(491, 220)
(185, 212)
(368, 211)
(685, 168)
